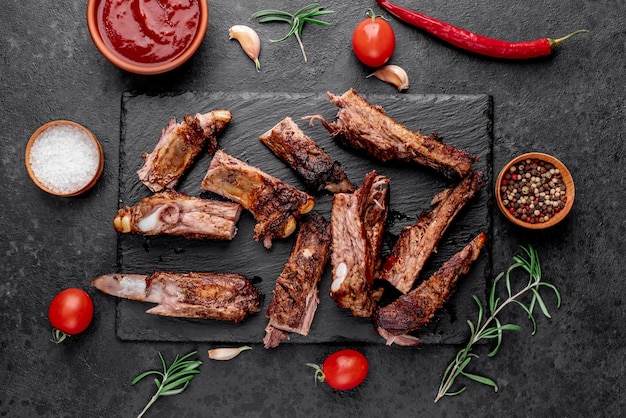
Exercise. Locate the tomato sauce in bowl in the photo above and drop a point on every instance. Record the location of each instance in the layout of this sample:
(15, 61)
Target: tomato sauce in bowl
(147, 36)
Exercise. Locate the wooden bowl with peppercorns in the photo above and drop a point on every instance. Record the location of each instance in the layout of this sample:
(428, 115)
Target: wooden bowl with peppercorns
(535, 191)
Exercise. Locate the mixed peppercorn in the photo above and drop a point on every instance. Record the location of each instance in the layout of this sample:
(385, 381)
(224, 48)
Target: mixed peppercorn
(533, 191)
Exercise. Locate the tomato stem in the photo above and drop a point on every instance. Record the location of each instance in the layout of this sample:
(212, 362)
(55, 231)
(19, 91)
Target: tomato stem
(319, 373)
(58, 336)
(372, 14)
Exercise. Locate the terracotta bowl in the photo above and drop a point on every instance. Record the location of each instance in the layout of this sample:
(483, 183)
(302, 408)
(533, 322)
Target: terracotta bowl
(140, 68)
(537, 222)
(81, 185)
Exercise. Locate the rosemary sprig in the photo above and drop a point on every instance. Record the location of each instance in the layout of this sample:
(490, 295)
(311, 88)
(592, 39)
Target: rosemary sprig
(492, 327)
(174, 379)
(297, 20)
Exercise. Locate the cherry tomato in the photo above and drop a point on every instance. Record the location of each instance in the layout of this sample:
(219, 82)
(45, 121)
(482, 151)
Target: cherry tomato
(70, 313)
(342, 370)
(373, 41)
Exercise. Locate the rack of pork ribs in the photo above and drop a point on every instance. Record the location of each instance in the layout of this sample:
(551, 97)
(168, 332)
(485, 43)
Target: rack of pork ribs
(351, 240)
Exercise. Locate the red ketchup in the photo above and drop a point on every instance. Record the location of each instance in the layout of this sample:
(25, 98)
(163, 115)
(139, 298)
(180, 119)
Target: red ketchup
(148, 31)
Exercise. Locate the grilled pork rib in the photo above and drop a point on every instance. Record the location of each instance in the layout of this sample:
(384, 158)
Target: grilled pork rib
(366, 127)
(296, 292)
(179, 145)
(275, 204)
(316, 168)
(220, 296)
(414, 310)
(174, 213)
(357, 224)
(418, 241)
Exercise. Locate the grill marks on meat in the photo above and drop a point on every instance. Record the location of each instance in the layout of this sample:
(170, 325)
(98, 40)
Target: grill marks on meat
(175, 213)
(296, 291)
(179, 145)
(367, 127)
(275, 204)
(357, 221)
(316, 168)
(417, 242)
(219, 296)
(415, 309)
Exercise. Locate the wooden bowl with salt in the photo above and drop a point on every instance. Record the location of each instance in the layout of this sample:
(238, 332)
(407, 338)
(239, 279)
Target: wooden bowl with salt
(64, 158)
(535, 191)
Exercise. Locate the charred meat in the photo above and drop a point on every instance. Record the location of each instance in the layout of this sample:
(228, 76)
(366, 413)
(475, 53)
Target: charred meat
(219, 296)
(315, 167)
(174, 213)
(179, 145)
(357, 224)
(296, 291)
(276, 205)
(415, 309)
(367, 128)
(418, 241)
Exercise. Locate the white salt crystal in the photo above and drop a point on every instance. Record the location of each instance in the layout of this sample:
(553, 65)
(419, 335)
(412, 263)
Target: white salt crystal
(64, 158)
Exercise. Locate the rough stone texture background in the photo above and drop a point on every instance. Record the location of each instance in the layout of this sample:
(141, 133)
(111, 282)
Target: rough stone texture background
(571, 105)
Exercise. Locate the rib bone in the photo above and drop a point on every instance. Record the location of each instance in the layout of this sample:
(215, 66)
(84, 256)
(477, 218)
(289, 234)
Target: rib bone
(275, 204)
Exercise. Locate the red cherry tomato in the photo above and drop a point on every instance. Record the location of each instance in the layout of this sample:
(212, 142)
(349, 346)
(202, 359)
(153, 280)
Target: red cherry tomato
(70, 313)
(342, 370)
(373, 41)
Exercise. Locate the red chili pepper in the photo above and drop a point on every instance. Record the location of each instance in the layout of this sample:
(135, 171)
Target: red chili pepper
(473, 42)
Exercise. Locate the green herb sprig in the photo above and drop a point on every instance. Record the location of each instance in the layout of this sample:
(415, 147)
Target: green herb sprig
(492, 327)
(174, 379)
(297, 20)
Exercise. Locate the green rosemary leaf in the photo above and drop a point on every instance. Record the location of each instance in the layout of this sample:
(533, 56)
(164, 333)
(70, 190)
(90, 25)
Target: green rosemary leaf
(480, 311)
(170, 388)
(307, 9)
(471, 327)
(458, 392)
(142, 375)
(496, 332)
(315, 21)
(526, 309)
(508, 280)
(173, 392)
(510, 327)
(274, 19)
(183, 368)
(493, 300)
(270, 12)
(541, 303)
(529, 312)
(556, 292)
(525, 264)
(316, 13)
(495, 350)
(482, 379)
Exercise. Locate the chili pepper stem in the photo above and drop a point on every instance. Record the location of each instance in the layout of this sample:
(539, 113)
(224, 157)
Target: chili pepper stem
(556, 42)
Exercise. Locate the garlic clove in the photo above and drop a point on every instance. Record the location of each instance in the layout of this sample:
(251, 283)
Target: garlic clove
(227, 353)
(249, 41)
(392, 74)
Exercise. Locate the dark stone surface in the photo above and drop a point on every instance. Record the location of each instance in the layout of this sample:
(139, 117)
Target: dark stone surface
(570, 105)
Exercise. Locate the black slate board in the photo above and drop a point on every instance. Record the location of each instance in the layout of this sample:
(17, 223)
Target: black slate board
(463, 121)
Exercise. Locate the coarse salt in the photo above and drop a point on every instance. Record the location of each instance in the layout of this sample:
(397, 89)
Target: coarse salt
(64, 158)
